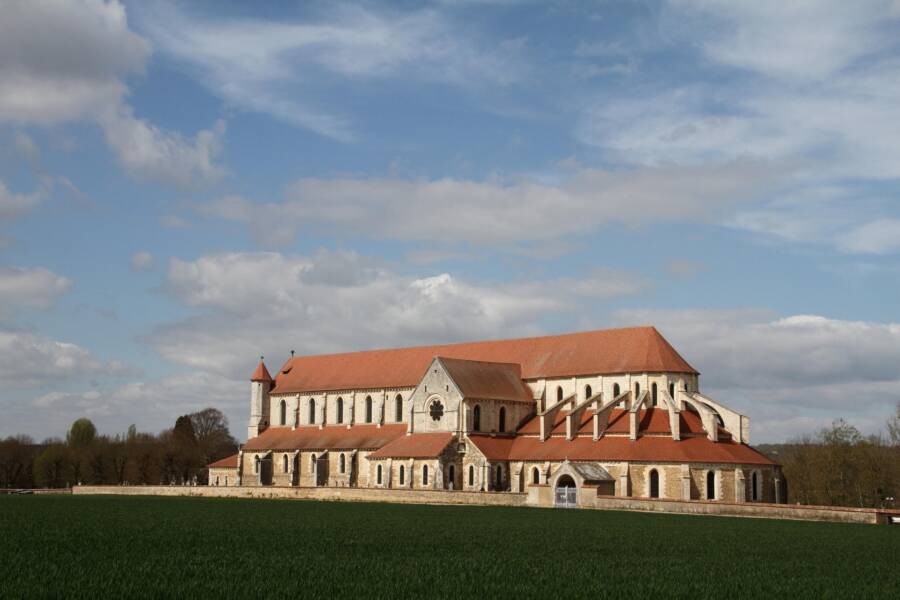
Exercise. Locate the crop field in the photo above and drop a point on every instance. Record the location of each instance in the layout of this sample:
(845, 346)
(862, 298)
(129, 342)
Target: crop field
(84, 546)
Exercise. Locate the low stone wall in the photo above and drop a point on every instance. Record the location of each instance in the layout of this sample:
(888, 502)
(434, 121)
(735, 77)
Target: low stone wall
(749, 509)
(533, 498)
(403, 496)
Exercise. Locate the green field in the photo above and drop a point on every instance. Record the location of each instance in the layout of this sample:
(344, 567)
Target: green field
(146, 546)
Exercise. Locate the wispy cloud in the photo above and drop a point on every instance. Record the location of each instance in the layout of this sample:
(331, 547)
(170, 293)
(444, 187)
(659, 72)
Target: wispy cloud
(279, 67)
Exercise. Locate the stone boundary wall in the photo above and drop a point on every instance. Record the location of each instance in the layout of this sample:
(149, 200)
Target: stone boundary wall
(406, 496)
(762, 510)
(403, 496)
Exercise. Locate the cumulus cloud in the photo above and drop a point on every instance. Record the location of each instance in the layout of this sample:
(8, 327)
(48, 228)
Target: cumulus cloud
(277, 67)
(786, 372)
(142, 261)
(32, 360)
(269, 303)
(14, 205)
(499, 212)
(22, 289)
(75, 70)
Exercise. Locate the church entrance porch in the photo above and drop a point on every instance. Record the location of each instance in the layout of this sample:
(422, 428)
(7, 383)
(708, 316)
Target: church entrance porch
(566, 494)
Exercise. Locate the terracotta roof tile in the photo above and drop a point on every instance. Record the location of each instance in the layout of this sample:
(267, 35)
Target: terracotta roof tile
(634, 349)
(652, 420)
(229, 462)
(417, 445)
(261, 373)
(330, 437)
(488, 380)
(616, 448)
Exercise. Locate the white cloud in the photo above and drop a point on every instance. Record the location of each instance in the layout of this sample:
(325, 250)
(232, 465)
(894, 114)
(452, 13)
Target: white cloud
(277, 67)
(30, 360)
(152, 405)
(142, 261)
(786, 371)
(881, 236)
(802, 39)
(22, 289)
(25, 146)
(496, 212)
(14, 205)
(269, 303)
(67, 61)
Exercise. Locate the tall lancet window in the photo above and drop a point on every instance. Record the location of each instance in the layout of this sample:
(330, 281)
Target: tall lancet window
(368, 409)
(398, 408)
(283, 412)
(340, 410)
(501, 424)
(312, 411)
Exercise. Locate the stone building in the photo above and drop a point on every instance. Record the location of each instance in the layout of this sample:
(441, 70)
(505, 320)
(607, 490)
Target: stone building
(618, 411)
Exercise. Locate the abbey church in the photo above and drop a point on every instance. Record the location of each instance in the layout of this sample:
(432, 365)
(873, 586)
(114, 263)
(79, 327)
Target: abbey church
(614, 412)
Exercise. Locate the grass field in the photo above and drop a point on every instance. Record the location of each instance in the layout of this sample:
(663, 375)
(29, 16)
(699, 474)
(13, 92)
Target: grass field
(145, 546)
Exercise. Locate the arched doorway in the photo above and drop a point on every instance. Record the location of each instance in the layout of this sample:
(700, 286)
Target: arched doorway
(451, 478)
(566, 492)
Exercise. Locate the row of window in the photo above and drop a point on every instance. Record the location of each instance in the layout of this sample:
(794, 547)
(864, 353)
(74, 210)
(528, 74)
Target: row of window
(617, 391)
(476, 419)
(401, 474)
(398, 410)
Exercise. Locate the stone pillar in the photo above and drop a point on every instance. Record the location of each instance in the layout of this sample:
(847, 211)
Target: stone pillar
(240, 466)
(352, 415)
(778, 490)
(685, 482)
(622, 487)
(320, 418)
(439, 475)
(740, 486)
(409, 428)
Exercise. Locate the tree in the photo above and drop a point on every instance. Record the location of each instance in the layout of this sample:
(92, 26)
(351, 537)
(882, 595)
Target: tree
(893, 426)
(52, 467)
(213, 437)
(16, 458)
(82, 434)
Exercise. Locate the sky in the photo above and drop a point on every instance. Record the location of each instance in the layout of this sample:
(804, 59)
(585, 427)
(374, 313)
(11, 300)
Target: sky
(185, 187)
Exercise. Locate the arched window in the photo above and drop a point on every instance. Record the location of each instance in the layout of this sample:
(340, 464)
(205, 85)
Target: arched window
(588, 392)
(654, 483)
(283, 412)
(398, 408)
(340, 410)
(312, 411)
(637, 390)
(710, 485)
(476, 418)
(559, 393)
(368, 409)
(343, 461)
(471, 475)
(616, 390)
(226, 481)
(402, 474)
(217, 480)
(535, 476)
(256, 465)
(498, 484)
(755, 486)
(653, 393)
(284, 464)
(501, 425)
(425, 475)
(378, 474)
(672, 390)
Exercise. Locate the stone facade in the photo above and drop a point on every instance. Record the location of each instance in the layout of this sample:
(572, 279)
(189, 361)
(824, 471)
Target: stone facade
(479, 426)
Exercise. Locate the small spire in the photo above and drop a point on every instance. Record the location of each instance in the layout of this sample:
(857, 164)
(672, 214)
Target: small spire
(261, 373)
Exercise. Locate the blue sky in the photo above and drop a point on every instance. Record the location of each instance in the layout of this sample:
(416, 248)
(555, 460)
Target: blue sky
(187, 186)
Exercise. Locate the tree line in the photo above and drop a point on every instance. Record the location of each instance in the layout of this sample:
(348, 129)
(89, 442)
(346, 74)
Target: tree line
(176, 456)
(840, 467)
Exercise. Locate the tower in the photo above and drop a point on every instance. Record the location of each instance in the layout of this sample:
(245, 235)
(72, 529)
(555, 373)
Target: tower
(260, 384)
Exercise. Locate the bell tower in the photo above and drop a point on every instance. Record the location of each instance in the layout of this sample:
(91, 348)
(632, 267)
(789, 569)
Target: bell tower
(260, 384)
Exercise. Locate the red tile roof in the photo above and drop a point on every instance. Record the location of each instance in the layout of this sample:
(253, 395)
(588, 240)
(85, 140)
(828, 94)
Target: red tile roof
(652, 420)
(417, 445)
(488, 380)
(634, 349)
(229, 462)
(617, 448)
(261, 373)
(330, 437)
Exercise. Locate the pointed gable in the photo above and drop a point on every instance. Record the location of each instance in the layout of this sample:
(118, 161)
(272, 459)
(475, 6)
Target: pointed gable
(487, 380)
